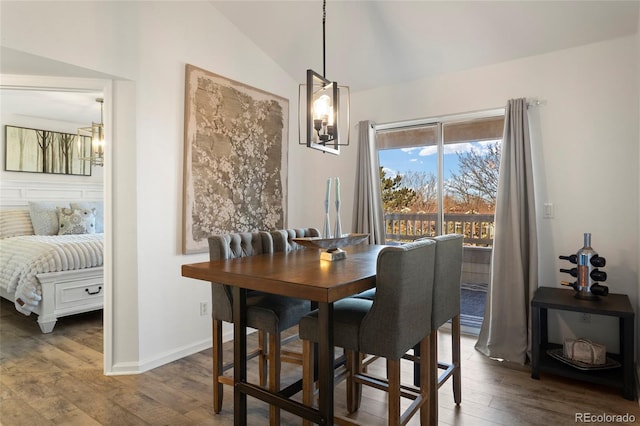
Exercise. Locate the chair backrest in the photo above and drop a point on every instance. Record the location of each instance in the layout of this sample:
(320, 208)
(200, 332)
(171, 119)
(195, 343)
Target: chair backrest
(231, 246)
(283, 238)
(401, 312)
(446, 280)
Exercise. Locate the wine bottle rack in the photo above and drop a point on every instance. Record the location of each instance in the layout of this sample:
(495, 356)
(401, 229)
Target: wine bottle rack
(589, 277)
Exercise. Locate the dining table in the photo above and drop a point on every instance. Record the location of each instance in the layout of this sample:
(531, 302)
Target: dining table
(297, 273)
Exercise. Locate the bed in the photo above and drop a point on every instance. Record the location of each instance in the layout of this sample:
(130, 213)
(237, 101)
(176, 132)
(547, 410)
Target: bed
(49, 274)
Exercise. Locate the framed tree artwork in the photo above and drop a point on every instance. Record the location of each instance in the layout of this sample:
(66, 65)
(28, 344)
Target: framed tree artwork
(235, 158)
(46, 151)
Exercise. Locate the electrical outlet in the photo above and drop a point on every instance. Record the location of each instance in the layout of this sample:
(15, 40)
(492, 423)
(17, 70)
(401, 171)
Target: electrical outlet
(586, 318)
(204, 308)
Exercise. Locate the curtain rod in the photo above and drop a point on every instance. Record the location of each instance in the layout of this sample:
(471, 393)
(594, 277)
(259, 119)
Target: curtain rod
(534, 102)
(487, 113)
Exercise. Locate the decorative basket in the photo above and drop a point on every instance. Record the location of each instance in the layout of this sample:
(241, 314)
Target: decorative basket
(584, 350)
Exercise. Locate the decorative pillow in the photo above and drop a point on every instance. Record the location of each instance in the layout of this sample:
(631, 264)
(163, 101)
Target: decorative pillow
(14, 223)
(76, 221)
(44, 216)
(99, 210)
(98, 206)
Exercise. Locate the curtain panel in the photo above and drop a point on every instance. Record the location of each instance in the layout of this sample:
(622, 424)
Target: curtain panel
(368, 215)
(506, 329)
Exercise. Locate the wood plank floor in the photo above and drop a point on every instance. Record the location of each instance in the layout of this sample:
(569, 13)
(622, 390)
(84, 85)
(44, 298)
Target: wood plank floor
(56, 379)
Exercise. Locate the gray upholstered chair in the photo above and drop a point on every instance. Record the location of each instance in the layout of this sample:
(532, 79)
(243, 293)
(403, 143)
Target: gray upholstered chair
(282, 241)
(388, 326)
(283, 238)
(269, 314)
(446, 306)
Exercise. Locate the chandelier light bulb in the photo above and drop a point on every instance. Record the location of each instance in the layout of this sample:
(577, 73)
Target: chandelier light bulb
(323, 110)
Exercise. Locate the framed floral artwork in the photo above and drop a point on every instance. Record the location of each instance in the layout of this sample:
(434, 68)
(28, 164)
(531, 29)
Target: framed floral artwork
(235, 159)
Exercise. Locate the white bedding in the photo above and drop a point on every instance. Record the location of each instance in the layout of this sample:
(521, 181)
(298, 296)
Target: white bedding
(22, 258)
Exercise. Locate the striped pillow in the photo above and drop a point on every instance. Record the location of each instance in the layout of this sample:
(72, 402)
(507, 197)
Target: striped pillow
(14, 223)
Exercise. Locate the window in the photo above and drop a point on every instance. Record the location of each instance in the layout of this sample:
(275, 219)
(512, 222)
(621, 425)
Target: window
(440, 176)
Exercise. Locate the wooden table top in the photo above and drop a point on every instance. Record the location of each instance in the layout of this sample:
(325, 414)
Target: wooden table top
(299, 273)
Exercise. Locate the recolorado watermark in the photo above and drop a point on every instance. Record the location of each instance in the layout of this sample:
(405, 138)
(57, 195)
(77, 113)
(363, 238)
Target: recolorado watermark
(604, 418)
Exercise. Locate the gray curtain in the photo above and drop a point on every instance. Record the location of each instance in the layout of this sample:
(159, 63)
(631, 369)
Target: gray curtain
(368, 217)
(505, 332)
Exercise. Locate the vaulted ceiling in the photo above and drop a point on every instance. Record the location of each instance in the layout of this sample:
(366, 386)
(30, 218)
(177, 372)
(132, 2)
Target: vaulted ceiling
(372, 43)
(377, 43)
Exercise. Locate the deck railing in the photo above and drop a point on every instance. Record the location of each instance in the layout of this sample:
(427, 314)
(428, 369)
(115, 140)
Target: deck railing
(478, 229)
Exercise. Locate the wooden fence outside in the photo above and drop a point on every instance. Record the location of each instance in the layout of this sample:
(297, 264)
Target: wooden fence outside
(478, 229)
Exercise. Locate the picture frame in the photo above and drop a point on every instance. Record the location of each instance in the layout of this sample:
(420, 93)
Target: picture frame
(45, 151)
(235, 158)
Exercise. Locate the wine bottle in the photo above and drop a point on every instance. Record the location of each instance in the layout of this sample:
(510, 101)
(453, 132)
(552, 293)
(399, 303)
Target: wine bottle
(599, 290)
(584, 256)
(595, 275)
(598, 261)
(573, 258)
(568, 284)
(598, 275)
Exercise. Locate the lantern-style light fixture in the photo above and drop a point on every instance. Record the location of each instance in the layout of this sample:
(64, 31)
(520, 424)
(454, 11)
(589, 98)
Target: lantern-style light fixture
(327, 115)
(96, 132)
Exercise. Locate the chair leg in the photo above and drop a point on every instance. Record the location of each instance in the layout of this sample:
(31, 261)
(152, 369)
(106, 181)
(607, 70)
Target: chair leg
(274, 375)
(457, 372)
(416, 366)
(393, 377)
(217, 366)
(308, 383)
(262, 357)
(354, 390)
(433, 377)
(425, 379)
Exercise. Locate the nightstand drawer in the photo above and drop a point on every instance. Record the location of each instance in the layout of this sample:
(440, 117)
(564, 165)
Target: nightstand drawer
(74, 294)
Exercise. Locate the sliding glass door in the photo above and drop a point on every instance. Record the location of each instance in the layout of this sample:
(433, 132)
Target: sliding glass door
(439, 176)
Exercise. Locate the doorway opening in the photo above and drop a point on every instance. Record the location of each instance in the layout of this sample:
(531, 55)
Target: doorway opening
(61, 95)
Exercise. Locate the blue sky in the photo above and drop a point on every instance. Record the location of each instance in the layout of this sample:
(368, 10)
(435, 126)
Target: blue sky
(425, 158)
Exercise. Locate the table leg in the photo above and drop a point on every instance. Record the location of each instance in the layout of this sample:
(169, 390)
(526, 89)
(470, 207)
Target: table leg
(325, 361)
(535, 342)
(626, 352)
(239, 355)
(544, 326)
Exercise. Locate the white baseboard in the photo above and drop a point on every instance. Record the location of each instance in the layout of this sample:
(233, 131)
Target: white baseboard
(127, 368)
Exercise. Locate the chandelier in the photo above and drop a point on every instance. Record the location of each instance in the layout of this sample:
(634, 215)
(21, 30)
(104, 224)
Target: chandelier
(326, 111)
(96, 133)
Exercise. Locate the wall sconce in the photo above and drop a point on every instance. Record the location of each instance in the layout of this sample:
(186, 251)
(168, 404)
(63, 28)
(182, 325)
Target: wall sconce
(325, 110)
(96, 132)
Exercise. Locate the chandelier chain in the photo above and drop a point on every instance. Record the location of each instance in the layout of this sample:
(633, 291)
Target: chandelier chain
(324, 54)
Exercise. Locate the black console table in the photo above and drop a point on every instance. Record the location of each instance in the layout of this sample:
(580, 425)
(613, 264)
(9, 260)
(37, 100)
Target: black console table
(615, 305)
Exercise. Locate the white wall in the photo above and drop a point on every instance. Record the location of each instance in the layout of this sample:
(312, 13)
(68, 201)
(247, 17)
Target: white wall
(585, 142)
(170, 324)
